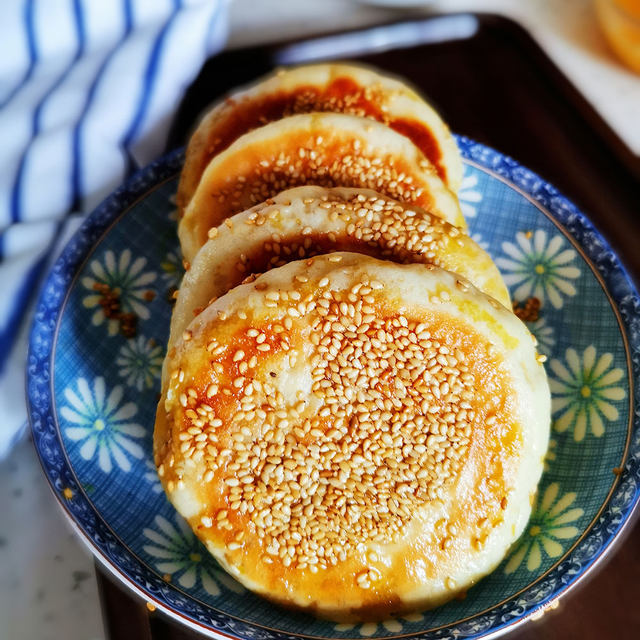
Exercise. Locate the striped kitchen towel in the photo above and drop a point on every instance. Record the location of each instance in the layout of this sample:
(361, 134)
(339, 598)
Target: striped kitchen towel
(88, 89)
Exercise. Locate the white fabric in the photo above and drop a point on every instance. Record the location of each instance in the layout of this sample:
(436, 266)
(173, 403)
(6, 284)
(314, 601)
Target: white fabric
(87, 92)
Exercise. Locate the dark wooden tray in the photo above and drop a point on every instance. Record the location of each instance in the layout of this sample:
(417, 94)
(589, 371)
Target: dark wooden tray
(492, 82)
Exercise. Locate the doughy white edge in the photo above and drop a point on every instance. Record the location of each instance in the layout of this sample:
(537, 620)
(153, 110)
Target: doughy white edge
(411, 287)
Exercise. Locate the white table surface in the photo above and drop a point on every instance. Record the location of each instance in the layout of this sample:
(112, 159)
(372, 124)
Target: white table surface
(47, 583)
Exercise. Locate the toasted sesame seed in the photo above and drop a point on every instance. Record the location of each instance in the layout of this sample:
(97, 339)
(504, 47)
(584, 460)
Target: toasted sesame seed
(212, 389)
(386, 427)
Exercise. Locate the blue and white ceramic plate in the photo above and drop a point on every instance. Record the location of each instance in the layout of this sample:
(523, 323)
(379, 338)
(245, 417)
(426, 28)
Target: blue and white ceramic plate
(93, 394)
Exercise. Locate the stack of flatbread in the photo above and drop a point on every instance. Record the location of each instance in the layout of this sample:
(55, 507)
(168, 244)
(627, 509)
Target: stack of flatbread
(352, 419)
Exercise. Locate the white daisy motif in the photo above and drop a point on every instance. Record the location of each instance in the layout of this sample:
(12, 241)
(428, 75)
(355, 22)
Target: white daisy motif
(548, 528)
(172, 269)
(140, 361)
(468, 195)
(393, 625)
(151, 476)
(539, 266)
(480, 241)
(118, 285)
(179, 555)
(103, 424)
(583, 391)
(544, 335)
(551, 454)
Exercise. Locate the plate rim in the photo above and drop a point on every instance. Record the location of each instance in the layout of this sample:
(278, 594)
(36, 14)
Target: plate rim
(559, 209)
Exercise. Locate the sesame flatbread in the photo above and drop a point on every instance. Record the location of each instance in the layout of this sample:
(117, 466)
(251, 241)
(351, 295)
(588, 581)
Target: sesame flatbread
(337, 88)
(352, 437)
(307, 221)
(325, 149)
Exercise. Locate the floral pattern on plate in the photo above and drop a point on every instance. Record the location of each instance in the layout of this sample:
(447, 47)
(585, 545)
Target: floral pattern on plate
(583, 391)
(151, 476)
(394, 625)
(178, 555)
(551, 525)
(117, 284)
(468, 195)
(101, 422)
(541, 266)
(172, 269)
(544, 334)
(139, 362)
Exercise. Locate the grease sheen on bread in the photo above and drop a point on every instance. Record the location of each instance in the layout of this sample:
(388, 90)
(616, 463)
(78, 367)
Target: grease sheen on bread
(353, 437)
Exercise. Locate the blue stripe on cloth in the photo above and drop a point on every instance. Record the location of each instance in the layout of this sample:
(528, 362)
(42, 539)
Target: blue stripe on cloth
(76, 175)
(16, 191)
(211, 28)
(22, 299)
(29, 28)
(147, 87)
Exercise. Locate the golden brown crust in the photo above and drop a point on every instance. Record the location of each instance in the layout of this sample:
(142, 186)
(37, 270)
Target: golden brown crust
(321, 149)
(354, 437)
(307, 221)
(337, 88)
